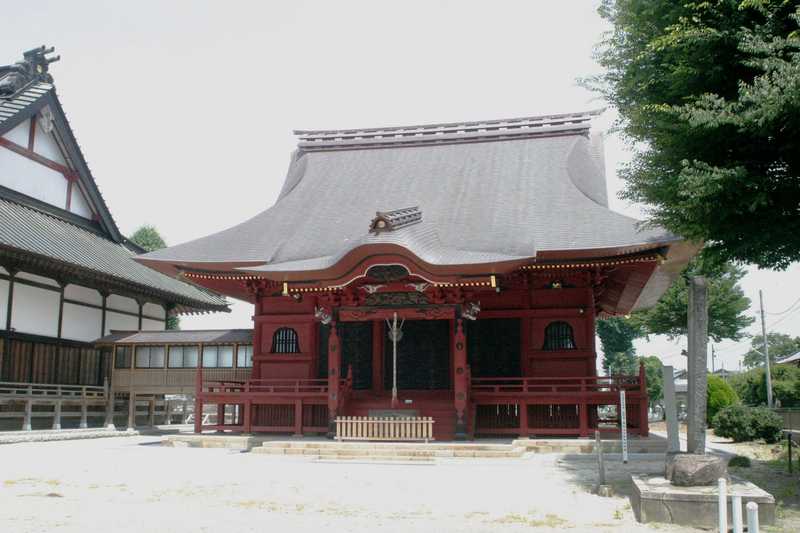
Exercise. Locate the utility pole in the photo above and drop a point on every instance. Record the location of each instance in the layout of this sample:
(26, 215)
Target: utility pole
(766, 349)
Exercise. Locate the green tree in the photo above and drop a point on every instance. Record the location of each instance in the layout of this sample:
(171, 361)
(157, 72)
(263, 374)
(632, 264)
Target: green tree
(655, 379)
(616, 339)
(708, 93)
(727, 303)
(780, 346)
(148, 238)
(719, 395)
(751, 386)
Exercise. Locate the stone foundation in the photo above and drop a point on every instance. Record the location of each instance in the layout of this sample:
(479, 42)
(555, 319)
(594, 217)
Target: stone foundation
(654, 499)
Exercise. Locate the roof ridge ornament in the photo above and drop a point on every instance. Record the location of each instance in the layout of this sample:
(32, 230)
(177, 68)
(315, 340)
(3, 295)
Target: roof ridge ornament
(35, 66)
(396, 219)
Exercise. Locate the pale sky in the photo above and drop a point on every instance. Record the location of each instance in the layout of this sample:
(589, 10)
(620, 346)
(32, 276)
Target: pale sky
(184, 110)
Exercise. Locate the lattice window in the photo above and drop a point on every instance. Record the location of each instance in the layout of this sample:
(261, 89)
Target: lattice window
(285, 341)
(558, 336)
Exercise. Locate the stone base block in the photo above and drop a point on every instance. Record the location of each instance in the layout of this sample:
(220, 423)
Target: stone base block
(655, 499)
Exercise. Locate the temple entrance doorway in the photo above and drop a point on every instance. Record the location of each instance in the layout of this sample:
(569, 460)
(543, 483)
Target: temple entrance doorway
(423, 356)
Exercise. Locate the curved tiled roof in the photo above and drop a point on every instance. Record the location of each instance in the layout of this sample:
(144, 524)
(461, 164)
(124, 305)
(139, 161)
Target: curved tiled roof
(488, 191)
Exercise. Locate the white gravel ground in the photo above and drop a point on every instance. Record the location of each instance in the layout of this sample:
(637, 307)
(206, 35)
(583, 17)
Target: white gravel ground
(133, 484)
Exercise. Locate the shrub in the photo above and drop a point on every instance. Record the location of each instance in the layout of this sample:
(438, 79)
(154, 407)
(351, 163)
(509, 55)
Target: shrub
(740, 460)
(742, 423)
(751, 386)
(719, 395)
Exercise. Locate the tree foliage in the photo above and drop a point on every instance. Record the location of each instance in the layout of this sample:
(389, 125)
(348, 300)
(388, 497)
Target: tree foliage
(727, 303)
(780, 346)
(616, 338)
(719, 395)
(655, 379)
(150, 239)
(751, 386)
(709, 94)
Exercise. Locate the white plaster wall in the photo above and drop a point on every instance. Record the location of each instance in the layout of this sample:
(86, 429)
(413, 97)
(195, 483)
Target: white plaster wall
(152, 325)
(82, 294)
(19, 134)
(122, 303)
(35, 310)
(78, 203)
(38, 279)
(81, 323)
(3, 302)
(153, 310)
(120, 322)
(33, 179)
(45, 145)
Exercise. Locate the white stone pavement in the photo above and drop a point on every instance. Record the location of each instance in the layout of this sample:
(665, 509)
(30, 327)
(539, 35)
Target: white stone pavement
(135, 485)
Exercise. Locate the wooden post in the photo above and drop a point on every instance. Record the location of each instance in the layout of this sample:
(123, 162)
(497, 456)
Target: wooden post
(298, 418)
(109, 405)
(131, 411)
(523, 420)
(151, 412)
(84, 415)
(583, 415)
(167, 412)
(644, 403)
(220, 416)
(247, 424)
(198, 395)
(26, 422)
(57, 415)
(334, 366)
(698, 365)
(460, 387)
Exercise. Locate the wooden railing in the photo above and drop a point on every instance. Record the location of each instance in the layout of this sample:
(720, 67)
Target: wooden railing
(539, 385)
(45, 391)
(388, 429)
(299, 387)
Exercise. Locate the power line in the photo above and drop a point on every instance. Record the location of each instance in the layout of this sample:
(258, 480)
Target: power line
(786, 310)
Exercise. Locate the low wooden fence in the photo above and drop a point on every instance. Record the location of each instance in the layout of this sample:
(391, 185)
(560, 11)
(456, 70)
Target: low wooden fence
(55, 395)
(388, 429)
(791, 417)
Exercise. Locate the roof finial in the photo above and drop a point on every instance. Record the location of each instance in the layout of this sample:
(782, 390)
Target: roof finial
(33, 67)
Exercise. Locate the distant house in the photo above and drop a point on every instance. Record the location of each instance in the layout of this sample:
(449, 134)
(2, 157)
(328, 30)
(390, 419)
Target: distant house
(791, 360)
(66, 272)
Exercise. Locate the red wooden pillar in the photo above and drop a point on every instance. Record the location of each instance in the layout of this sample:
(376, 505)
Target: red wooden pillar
(524, 432)
(247, 423)
(644, 401)
(198, 400)
(220, 416)
(334, 367)
(460, 385)
(298, 418)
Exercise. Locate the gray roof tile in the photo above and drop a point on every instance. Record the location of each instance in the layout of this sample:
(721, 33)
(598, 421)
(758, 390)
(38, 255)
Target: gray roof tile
(29, 230)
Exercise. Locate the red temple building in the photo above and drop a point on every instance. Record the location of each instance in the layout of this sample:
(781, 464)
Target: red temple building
(452, 271)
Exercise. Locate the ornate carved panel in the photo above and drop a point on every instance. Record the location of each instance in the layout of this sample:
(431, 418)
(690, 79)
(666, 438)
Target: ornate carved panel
(396, 299)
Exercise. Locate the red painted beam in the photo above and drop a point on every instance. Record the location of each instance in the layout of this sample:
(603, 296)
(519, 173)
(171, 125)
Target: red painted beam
(33, 156)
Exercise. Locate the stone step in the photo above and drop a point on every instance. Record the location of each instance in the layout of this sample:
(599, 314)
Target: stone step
(386, 446)
(376, 458)
(352, 453)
